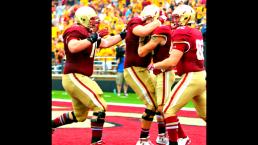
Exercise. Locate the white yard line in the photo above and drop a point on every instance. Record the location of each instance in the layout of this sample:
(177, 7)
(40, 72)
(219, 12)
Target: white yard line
(183, 120)
(123, 104)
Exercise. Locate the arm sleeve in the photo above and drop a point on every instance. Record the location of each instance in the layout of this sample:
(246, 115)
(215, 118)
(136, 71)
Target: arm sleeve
(73, 35)
(180, 46)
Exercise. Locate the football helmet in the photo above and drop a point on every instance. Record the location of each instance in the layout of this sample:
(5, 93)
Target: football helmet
(86, 16)
(150, 11)
(183, 15)
(177, 2)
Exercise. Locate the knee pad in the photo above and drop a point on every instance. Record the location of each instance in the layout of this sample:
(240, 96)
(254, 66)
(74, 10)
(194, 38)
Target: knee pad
(148, 115)
(159, 115)
(100, 117)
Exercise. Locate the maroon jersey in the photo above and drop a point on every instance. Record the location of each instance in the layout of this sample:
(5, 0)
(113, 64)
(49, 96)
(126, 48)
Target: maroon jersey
(192, 59)
(80, 62)
(161, 52)
(132, 42)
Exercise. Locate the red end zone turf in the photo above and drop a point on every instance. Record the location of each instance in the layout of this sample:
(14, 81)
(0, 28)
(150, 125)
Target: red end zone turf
(126, 130)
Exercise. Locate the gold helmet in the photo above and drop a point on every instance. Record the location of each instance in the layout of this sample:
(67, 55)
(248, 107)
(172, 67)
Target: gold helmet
(179, 2)
(185, 15)
(84, 14)
(150, 11)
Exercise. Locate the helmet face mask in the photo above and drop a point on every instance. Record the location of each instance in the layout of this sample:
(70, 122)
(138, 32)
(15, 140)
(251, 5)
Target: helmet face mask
(175, 20)
(183, 15)
(94, 24)
(84, 14)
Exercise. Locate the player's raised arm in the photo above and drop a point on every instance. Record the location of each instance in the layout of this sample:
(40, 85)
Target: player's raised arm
(158, 37)
(112, 40)
(147, 29)
(75, 45)
(148, 14)
(144, 49)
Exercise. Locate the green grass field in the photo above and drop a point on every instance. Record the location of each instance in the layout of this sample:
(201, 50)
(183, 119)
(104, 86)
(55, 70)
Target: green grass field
(132, 98)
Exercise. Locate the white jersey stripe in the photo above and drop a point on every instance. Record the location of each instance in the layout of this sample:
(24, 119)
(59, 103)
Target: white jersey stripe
(185, 43)
(172, 127)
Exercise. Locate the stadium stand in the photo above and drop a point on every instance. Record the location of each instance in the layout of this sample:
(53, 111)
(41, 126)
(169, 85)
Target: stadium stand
(114, 17)
(99, 66)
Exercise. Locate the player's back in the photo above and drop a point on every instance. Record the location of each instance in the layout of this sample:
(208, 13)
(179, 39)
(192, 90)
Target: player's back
(132, 42)
(80, 62)
(192, 59)
(161, 52)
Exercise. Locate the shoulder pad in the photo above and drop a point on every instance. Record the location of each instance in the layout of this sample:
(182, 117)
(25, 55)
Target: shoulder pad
(80, 30)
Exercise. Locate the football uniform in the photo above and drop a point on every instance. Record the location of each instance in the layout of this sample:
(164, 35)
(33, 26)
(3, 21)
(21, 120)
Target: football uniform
(136, 73)
(86, 94)
(190, 67)
(132, 42)
(163, 80)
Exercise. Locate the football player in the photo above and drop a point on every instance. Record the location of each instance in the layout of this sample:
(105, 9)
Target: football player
(80, 42)
(187, 56)
(136, 73)
(159, 45)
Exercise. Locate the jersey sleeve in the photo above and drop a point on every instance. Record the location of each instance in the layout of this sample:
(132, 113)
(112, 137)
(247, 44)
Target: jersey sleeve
(180, 40)
(75, 33)
(162, 31)
(179, 46)
(134, 22)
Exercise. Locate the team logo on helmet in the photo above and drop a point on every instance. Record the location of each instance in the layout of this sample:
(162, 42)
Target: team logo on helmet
(185, 15)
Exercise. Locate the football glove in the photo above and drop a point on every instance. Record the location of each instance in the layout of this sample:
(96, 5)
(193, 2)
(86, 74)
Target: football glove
(123, 34)
(93, 37)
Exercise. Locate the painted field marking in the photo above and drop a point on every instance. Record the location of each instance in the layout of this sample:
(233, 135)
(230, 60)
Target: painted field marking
(123, 104)
(183, 120)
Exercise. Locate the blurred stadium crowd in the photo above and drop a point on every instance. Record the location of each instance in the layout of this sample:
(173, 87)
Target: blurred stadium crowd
(114, 14)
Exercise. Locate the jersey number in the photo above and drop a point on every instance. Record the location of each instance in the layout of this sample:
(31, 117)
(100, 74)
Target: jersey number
(199, 47)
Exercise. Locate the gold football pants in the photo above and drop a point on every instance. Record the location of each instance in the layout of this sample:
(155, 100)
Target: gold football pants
(192, 86)
(86, 94)
(140, 80)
